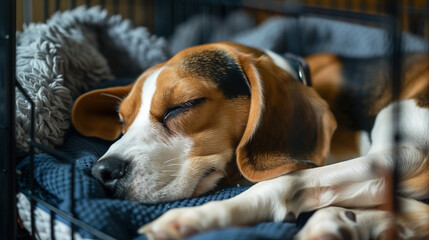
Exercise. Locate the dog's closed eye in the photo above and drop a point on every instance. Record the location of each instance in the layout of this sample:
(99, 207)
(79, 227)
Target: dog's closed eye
(181, 108)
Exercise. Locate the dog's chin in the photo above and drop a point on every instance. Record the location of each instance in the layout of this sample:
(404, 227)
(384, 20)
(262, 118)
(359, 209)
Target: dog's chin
(208, 182)
(118, 192)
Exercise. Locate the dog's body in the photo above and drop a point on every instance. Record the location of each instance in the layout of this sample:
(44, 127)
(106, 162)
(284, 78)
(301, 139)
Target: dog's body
(221, 111)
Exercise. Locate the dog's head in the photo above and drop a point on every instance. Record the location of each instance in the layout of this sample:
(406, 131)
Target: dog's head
(195, 119)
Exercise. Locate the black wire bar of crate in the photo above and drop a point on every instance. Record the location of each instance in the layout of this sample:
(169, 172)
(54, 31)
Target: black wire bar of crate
(8, 226)
(168, 14)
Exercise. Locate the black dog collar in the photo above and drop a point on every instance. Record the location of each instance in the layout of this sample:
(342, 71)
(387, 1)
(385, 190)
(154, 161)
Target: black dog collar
(300, 66)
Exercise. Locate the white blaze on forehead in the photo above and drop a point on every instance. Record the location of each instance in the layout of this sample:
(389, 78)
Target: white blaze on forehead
(144, 141)
(149, 88)
(126, 146)
(282, 63)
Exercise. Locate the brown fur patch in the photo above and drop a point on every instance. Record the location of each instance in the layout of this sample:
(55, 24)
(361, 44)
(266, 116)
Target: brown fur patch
(415, 84)
(131, 104)
(94, 113)
(325, 72)
(284, 129)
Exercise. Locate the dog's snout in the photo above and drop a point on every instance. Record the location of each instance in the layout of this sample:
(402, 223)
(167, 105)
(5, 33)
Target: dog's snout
(108, 171)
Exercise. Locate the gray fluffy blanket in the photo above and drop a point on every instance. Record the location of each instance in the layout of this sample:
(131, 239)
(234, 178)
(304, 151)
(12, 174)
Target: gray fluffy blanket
(75, 50)
(59, 60)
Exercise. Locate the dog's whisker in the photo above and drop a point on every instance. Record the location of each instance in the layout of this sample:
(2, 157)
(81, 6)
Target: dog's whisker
(174, 164)
(112, 96)
(189, 167)
(172, 159)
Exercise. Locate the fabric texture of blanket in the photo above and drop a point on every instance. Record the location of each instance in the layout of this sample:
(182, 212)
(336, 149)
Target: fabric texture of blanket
(76, 50)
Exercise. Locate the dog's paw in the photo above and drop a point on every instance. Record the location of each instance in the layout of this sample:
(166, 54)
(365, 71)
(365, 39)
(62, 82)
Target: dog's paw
(336, 223)
(184, 222)
(175, 224)
(332, 223)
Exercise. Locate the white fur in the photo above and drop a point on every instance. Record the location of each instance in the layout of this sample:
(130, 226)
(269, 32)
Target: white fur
(159, 166)
(364, 142)
(282, 63)
(413, 126)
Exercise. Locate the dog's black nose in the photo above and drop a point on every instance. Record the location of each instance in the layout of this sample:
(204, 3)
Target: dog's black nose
(108, 171)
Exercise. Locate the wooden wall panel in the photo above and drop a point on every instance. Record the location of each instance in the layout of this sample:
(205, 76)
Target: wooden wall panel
(414, 13)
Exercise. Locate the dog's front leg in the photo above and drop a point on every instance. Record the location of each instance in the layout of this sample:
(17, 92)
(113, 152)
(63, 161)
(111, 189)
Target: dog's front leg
(272, 200)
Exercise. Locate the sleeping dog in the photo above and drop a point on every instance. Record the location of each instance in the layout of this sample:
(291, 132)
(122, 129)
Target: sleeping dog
(224, 113)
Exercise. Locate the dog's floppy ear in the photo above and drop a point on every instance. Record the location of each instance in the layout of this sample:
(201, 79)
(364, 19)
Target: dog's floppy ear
(289, 125)
(95, 113)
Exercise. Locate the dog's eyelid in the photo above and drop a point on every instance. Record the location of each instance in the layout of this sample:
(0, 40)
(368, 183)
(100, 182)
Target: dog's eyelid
(192, 102)
(183, 107)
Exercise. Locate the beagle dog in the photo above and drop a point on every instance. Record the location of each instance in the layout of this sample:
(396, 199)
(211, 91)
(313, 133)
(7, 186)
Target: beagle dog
(224, 113)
